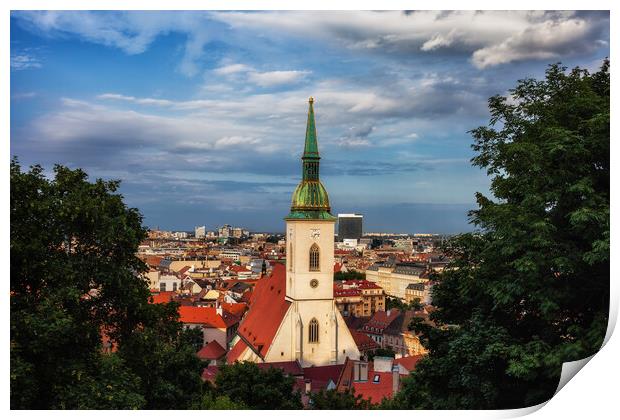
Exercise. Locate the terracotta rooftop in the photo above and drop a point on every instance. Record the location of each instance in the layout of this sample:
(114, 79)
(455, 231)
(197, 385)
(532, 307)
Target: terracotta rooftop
(211, 351)
(206, 316)
(209, 373)
(289, 368)
(363, 342)
(162, 297)
(380, 321)
(409, 362)
(267, 309)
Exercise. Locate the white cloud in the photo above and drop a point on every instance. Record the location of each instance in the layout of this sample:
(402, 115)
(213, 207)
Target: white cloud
(273, 78)
(131, 32)
(493, 37)
(545, 40)
(232, 69)
(23, 61)
(354, 143)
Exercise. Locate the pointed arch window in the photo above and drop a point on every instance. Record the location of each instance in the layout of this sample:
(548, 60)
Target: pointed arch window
(313, 331)
(314, 258)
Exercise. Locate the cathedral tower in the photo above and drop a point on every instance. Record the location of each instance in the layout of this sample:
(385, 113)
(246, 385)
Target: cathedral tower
(293, 316)
(310, 229)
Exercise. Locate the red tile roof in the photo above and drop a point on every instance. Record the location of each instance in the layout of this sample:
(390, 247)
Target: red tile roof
(267, 309)
(380, 321)
(211, 351)
(363, 342)
(209, 373)
(235, 352)
(246, 296)
(239, 269)
(337, 267)
(409, 362)
(153, 261)
(184, 269)
(324, 373)
(162, 297)
(289, 368)
(371, 390)
(237, 309)
(375, 392)
(206, 316)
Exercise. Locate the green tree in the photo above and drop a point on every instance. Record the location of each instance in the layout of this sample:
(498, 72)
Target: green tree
(349, 275)
(74, 277)
(334, 400)
(530, 289)
(247, 384)
(381, 352)
(210, 401)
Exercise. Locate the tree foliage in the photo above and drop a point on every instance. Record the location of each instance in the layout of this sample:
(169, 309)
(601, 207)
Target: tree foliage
(349, 275)
(245, 383)
(75, 278)
(335, 400)
(530, 289)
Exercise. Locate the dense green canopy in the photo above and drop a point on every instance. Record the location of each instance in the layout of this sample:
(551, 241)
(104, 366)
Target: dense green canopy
(530, 289)
(75, 279)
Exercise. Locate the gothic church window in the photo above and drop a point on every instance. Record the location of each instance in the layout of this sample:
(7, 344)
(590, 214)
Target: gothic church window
(313, 331)
(314, 258)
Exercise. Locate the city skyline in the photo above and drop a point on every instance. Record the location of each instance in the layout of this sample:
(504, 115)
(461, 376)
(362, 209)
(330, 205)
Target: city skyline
(202, 114)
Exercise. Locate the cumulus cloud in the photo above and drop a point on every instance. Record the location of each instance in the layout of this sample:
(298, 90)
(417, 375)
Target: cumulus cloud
(356, 137)
(492, 37)
(546, 40)
(273, 78)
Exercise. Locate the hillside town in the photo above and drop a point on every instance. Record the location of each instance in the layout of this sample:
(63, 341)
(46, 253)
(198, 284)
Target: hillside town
(213, 276)
(337, 321)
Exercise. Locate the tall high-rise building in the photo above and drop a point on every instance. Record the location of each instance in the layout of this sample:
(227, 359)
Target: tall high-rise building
(350, 226)
(200, 231)
(294, 315)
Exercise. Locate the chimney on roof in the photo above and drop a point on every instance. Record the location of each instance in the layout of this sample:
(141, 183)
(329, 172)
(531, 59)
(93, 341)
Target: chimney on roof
(308, 386)
(395, 378)
(218, 310)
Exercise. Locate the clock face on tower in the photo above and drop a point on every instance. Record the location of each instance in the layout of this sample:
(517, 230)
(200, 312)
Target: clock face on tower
(315, 233)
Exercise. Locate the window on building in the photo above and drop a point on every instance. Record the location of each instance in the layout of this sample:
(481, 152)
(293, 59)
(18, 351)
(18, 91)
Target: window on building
(290, 257)
(162, 287)
(314, 257)
(313, 331)
(174, 287)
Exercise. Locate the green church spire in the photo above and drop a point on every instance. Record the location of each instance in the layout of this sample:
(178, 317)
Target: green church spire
(310, 199)
(311, 148)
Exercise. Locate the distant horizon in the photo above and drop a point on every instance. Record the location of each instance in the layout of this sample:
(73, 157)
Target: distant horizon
(432, 217)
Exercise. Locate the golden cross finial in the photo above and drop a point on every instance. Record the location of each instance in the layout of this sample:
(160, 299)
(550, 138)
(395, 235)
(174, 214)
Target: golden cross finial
(311, 99)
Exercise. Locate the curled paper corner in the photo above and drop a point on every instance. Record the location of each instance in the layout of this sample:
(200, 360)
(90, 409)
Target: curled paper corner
(570, 369)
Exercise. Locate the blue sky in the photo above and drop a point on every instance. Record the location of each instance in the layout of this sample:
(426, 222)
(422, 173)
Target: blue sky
(202, 114)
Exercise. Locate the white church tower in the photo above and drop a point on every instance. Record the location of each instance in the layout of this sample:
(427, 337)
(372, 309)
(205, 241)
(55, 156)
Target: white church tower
(320, 334)
(293, 316)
